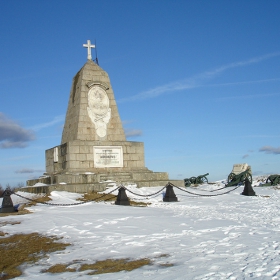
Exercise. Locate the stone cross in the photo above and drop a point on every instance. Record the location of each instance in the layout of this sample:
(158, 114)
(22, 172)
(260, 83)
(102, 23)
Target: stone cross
(88, 46)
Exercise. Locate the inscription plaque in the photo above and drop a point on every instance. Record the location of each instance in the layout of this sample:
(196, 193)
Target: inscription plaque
(108, 156)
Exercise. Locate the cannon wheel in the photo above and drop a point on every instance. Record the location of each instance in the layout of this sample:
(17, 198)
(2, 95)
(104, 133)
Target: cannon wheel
(230, 177)
(276, 181)
(269, 181)
(249, 176)
(187, 182)
(204, 180)
(246, 176)
(273, 180)
(193, 180)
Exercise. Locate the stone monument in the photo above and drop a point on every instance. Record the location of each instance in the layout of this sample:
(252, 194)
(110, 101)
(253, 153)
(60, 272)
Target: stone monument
(94, 152)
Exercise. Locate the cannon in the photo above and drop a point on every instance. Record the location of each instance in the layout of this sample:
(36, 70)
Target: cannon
(272, 180)
(236, 177)
(201, 179)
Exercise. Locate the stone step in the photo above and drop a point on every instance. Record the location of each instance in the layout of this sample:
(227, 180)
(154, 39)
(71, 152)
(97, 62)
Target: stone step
(97, 187)
(116, 176)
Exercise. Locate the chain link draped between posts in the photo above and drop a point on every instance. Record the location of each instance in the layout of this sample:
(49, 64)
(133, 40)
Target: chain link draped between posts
(196, 194)
(64, 204)
(225, 187)
(144, 195)
(121, 186)
(207, 195)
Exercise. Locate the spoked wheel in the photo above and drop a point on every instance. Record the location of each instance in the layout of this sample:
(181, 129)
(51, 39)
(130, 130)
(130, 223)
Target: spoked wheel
(187, 182)
(230, 177)
(273, 180)
(249, 177)
(246, 176)
(204, 180)
(193, 180)
(268, 181)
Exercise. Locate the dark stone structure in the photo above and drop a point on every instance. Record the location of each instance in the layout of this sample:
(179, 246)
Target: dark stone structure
(7, 203)
(122, 198)
(248, 190)
(170, 195)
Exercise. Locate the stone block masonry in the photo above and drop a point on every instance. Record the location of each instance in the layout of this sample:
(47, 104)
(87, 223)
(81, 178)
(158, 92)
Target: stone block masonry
(78, 156)
(93, 151)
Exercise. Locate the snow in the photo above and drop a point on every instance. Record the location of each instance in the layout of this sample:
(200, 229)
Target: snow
(40, 185)
(229, 236)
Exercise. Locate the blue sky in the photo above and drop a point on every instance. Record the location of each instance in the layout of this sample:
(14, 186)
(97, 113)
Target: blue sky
(197, 81)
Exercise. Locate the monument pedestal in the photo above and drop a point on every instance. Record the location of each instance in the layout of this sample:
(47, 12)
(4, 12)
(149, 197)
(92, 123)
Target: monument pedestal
(94, 152)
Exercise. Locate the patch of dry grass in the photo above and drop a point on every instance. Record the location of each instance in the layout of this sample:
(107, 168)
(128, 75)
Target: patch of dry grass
(20, 212)
(109, 197)
(59, 268)
(166, 264)
(38, 199)
(105, 266)
(141, 204)
(100, 267)
(98, 197)
(2, 224)
(18, 249)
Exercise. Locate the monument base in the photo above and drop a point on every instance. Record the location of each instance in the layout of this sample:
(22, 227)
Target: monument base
(92, 166)
(96, 182)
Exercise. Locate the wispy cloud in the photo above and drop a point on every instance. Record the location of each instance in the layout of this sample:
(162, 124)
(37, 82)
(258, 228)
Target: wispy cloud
(132, 133)
(270, 150)
(245, 156)
(248, 96)
(195, 81)
(12, 135)
(28, 170)
(56, 120)
(243, 82)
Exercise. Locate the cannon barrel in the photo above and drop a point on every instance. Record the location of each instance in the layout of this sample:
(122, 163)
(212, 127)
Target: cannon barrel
(203, 175)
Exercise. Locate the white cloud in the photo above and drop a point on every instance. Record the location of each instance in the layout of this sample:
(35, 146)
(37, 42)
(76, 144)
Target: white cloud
(12, 135)
(132, 133)
(28, 170)
(56, 120)
(270, 150)
(248, 96)
(195, 81)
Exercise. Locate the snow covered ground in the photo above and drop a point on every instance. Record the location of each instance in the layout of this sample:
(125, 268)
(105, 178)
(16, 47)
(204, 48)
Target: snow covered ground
(230, 236)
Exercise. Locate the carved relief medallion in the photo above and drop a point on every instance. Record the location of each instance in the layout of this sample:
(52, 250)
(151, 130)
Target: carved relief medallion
(98, 109)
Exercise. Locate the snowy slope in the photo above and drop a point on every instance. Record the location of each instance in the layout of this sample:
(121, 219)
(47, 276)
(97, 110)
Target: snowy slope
(230, 236)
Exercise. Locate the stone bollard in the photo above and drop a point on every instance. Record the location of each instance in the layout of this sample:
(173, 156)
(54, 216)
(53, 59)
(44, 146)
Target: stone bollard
(7, 204)
(122, 198)
(248, 190)
(169, 194)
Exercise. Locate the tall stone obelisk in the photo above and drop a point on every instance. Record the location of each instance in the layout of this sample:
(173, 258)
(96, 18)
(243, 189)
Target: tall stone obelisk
(93, 150)
(92, 110)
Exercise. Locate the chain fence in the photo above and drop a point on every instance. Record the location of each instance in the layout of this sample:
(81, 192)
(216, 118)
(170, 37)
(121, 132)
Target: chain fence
(184, 190)
(224, 187)
(207, 195)
(143, 196)
(64, 204)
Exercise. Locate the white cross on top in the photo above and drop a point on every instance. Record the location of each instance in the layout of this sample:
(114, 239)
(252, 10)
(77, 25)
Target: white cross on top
(88, 46)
